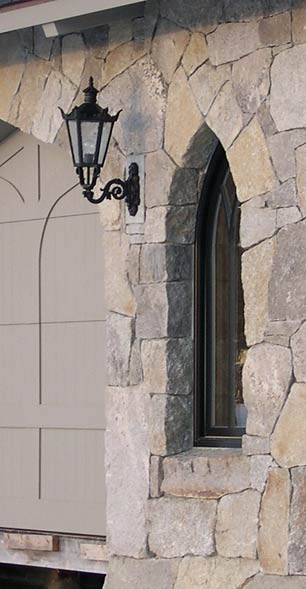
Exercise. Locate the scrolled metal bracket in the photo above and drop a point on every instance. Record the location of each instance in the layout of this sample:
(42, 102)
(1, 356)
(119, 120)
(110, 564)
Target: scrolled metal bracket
(128, 189)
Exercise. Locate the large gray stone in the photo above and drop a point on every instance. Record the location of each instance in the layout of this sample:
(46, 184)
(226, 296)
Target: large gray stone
(121, 58)
(297, 523)
(300, 156)
(196, 53)
(170, 424)
(287, 445)
(140, 129)
(273, 523)
(184, 186)
(127, 573)
(298, 346)
(199, 13)
(251, 79)
(283, 196)
(288, 282)
(231, 41)
(255, 445)
(256, 274)
(119, 342)
(266, 379)
(288, 89)
(180, 527)
(237, 522)
(164, 310)
(180, 224)
(282, 148)
(193, 474)
(127, 471)
(168, 366)
(287, 216)
(159, 262)
(12, 68)
(276, 29)
(214, 572)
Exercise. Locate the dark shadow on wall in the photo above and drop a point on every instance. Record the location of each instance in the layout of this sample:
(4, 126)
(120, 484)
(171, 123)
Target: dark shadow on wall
(18, 577)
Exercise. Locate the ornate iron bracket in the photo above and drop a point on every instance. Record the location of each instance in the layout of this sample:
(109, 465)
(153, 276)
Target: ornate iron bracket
(128, 189)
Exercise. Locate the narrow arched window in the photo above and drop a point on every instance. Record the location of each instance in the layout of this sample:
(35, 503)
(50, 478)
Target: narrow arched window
(220, 413)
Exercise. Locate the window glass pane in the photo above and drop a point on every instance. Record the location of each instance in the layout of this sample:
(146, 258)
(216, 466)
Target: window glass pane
(72, 126)
(220, 403)
(107, 129)
(89, 141)
(239, 341)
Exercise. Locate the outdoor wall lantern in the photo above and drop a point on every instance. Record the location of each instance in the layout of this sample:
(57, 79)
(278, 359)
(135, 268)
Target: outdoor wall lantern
(90, 129)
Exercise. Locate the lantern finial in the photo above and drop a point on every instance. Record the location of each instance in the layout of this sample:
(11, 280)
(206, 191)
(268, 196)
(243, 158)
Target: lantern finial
(90, 92)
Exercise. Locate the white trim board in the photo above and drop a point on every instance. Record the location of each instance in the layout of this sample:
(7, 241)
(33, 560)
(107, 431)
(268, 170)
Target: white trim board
(53, 11)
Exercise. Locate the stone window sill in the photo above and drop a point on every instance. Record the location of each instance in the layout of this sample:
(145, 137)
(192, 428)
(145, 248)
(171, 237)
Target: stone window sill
(206, 473)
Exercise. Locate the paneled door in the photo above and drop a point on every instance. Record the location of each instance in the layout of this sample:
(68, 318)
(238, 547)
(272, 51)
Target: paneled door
(52, 345)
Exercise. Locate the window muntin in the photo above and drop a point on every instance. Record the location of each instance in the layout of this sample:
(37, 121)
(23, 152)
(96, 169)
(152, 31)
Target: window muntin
(219, 318)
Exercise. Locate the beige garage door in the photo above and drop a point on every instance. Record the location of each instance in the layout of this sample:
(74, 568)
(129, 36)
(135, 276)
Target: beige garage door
(52, 324)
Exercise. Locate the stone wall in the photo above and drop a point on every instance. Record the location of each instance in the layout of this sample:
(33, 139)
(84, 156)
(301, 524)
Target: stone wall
(187, 73)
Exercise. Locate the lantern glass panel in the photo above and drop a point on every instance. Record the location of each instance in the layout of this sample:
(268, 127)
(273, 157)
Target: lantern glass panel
(106, 133)
(73, 133)
(89, 130)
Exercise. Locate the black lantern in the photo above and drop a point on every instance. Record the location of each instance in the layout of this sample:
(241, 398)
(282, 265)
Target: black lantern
(90, 129)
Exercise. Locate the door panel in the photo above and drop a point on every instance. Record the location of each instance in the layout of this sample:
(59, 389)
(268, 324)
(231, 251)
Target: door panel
(52, 345)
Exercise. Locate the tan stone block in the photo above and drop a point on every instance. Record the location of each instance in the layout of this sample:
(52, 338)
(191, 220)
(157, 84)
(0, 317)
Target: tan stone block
(300, 155)
(266, 378)
(154, 361)
(273, 523)
(196, 475)
(29, 93)
(237, 522)
(297, 523)
(118, 293)
(250, 163)
(73, 57)
(287, 216)
(288, 88)
(12, 68)
(94, 551)
(257, 224)
(160, 170)
(299, 24)
(169, 44)
(47, 119)
(214, 573)
(225, 117)
(256, 275)
(121, 59)
(180, 128)
(196, 53)
(282, 148)
(253, 445)
(39, 542)
(206, 82)
(259, 471)
(286, 444)
(276, 582)
(155, 225)
(231, 41)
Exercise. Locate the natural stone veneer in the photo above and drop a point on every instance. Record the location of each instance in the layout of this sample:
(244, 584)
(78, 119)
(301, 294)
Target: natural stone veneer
(182, 526)
(237, 522)
(214, 573)
(286, 445)
(273, 527)
(185, 78)
(266, 378)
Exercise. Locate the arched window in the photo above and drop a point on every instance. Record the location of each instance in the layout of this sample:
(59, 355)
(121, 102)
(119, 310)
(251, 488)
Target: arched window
(220, 414)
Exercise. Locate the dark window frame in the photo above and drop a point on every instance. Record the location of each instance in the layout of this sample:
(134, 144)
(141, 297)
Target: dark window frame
(204, 433)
